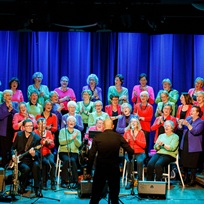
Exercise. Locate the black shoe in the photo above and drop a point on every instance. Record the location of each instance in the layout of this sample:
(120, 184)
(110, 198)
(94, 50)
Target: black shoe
(128, 186)
(64, 185)
(37, 192)
(75, 185)
(192, 183)
(44, 186)
(22, 191)
(53, 186)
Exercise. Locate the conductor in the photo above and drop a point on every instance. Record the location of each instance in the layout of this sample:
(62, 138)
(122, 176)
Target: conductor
(106, 145)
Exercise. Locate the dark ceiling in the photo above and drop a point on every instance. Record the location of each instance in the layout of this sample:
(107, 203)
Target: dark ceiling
(151, 16)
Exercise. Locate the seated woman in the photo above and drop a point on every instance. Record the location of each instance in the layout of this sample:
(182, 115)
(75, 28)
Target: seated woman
(48, 163)
(70, 141)
(114, 110)
(99, 126)
(167, 149)
(136, 139)
(92, 85)
(158, 124)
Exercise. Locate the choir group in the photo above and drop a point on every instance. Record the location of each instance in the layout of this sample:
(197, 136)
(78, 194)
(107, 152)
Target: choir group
(60, 124)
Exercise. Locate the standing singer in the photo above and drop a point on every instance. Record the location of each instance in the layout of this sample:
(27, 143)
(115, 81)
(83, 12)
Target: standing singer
(7, 111)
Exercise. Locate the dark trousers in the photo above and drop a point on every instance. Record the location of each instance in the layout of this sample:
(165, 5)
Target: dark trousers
(48, 167)
(5, 145)
(69, 173)
(140, 157)
(157, 163)
(26, 168)
(103, 173)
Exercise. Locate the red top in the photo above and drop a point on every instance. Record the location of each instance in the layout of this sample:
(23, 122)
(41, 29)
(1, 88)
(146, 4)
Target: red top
(146, 112)
(46, 148)
(139, 144)
(109, 109)
(156, 126)
(51, 120)
(179, 111)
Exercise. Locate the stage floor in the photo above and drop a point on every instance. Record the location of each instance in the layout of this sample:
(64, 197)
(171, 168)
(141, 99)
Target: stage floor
(176, 195)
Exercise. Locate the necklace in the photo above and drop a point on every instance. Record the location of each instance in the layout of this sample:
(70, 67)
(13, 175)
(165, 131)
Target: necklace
(141, 106)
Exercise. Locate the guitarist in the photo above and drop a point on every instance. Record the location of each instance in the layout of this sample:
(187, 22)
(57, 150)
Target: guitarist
(25, 144)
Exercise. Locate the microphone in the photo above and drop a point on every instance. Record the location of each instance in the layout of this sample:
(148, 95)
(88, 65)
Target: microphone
(132, 127)
(65, 123)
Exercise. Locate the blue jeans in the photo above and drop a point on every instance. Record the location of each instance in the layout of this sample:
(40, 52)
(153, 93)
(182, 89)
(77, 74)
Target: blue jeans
(140, 157)
(157, 163)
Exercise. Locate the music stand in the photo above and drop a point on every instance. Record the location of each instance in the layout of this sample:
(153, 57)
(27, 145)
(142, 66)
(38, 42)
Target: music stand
(93, 133)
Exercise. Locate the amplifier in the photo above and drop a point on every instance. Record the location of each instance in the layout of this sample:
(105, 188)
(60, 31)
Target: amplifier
(152, 189)
(85, 188)
(2, 179)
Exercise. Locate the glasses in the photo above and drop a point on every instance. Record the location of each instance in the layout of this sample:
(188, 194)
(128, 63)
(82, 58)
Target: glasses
(29, 126)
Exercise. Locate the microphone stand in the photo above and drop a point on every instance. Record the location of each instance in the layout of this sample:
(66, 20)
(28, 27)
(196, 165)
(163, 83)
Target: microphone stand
(40, 186)
(69, 160)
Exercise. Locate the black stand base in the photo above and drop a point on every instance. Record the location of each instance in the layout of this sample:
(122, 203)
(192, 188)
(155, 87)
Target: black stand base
(41, 196)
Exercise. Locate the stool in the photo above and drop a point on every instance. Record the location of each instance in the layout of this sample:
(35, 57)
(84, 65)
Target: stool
(124, 175)
(58, 168)
(168, 174)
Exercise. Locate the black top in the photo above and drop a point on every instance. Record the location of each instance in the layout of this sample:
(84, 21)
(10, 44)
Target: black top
(20, 143)
(107, 145)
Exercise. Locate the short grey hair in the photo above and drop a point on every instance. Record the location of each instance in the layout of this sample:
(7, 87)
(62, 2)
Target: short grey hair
(167, 80)
(126, 105)
(37, 74)
(146, 93)
(71, 103)
(170, 122)
(92, 76)
(71, 117)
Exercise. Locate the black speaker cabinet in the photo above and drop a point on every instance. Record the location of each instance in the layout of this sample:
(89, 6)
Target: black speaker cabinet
(2, 179)
(85, 188)
(152, 189)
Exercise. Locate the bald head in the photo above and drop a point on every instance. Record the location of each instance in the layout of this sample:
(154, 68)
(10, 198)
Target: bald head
(108, 124)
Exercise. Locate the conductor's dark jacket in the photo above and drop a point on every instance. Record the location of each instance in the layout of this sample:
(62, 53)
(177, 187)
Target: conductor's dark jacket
(107, 145)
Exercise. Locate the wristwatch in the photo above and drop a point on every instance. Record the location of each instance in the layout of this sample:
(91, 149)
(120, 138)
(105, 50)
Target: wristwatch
(163, 145)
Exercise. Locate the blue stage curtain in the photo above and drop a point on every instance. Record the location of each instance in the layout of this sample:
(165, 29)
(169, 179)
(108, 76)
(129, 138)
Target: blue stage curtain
(78, 54)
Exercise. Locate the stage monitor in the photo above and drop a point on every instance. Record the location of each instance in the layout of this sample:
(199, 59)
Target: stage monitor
(93, 133)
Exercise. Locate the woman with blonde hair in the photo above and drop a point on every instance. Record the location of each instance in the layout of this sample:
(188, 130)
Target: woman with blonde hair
(136, 139)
